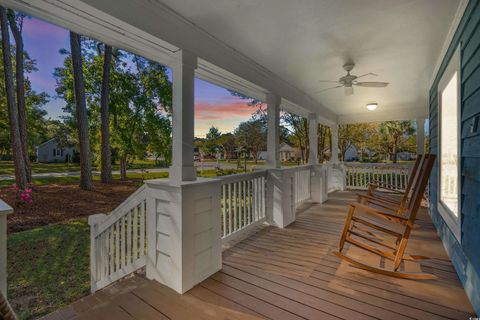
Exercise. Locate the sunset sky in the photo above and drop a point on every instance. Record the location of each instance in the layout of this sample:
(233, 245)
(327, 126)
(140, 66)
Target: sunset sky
(213, 105)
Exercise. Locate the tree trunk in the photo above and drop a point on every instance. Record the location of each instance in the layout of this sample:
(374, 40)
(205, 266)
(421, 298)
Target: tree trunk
(20, 79)
(82, 117)
(123, 168)
(18, 158)
(106, 174)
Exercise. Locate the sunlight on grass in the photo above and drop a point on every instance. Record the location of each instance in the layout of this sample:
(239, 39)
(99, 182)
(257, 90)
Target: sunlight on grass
(48, 268)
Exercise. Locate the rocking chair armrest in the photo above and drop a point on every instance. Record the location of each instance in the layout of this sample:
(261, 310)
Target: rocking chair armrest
(376, 211)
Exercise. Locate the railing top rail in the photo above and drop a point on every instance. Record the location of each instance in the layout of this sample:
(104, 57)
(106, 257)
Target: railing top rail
(296, 168)
(242, 176)
(122, 209)
(378, 165)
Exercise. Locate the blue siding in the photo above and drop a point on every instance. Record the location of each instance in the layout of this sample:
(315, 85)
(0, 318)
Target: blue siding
(465, 255)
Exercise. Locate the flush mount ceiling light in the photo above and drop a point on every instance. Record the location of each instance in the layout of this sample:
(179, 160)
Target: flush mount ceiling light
(372, 106)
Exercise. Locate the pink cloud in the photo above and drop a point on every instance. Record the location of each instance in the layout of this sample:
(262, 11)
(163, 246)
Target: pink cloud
(223, 111)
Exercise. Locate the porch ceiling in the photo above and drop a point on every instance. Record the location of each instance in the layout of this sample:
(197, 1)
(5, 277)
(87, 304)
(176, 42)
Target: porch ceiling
(285, 46)
(309, 40)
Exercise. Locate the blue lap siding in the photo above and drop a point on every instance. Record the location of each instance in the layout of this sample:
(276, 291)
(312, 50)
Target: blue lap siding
(465, 255)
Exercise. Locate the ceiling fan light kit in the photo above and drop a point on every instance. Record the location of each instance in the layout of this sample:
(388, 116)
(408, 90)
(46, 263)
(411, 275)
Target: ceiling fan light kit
(372, 106)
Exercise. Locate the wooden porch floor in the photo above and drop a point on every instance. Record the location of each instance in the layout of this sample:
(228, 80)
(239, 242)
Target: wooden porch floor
(291, 274)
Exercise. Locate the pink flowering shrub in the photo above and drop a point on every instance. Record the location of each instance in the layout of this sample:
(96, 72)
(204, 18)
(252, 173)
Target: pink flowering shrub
(22, 197)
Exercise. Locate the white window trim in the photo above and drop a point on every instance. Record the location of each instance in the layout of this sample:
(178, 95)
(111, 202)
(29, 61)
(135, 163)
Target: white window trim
(453, 222)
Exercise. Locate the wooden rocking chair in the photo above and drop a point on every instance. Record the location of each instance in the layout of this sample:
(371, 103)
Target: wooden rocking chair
(397, 200)
(372, 229)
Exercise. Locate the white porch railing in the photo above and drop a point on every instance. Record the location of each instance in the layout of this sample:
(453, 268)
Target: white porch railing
(210, 212)
(301, 185)
(118, 241)
(359, 175)
(242, 203)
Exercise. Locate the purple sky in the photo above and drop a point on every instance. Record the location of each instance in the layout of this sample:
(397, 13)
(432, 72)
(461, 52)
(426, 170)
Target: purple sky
(214, 105)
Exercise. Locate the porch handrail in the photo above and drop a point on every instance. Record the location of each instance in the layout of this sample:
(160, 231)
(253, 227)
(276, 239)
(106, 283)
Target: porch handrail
(118, 241)
(243, 203)
(359, 175)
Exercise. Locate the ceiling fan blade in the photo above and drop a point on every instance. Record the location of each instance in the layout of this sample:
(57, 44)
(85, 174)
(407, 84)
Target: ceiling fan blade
(328, 89)
(348, 91)
(368, 74)
(371, 84)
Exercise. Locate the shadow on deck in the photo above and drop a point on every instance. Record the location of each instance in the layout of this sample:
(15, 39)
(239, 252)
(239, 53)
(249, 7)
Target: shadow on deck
(291, 274)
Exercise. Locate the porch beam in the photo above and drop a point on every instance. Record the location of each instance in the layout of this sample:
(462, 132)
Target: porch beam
(273, 130)
(183, 115)
(420, 135)
(313, 138)
(334, 155)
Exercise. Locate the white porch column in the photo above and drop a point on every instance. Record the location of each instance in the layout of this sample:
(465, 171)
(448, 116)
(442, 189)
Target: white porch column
(5, 209)
(273, 130)
(183, 168)
(334, 155)
(313, 138)
(420, 135)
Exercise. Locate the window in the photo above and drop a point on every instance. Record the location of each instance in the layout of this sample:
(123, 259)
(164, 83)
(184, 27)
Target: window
(54, 152)
(449, 153)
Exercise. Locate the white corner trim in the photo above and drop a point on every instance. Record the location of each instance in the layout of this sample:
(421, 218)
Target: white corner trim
(451, 33)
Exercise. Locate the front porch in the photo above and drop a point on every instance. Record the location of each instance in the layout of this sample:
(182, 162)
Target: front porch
(290, 273)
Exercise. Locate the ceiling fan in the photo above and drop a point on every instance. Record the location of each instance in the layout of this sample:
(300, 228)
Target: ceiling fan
(350, 80)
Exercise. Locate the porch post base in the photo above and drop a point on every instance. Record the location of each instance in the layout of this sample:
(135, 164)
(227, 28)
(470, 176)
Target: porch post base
(280, 206)
(319, 184)
(183, 232)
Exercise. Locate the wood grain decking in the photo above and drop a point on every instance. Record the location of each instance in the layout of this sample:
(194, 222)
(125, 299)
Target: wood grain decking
(291, 274)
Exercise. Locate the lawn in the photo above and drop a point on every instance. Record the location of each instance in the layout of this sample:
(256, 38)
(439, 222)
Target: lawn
(6, 167)
(48, 267)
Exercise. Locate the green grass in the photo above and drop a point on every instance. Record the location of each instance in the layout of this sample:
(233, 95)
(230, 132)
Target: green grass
(48, 267)
(207, 173)
(6, 167)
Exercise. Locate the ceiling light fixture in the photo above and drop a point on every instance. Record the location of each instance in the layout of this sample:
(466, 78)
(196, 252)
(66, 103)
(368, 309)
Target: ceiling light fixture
(372, 106)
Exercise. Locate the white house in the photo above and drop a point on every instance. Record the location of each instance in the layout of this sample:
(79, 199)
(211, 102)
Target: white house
(50, 151)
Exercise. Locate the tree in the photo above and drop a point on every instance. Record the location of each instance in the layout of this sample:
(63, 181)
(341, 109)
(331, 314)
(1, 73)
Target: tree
(227, 141)
(82, 117)
(323, 133)
(211, 145)
(394, 135)
(298, 129)
(106, 171)
(251, 135)
(19, 159)
(16, 24)
(353, 135)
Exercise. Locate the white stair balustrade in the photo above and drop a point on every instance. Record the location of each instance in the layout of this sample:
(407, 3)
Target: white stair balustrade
(242, 203)
(301, 185)
(118, 241)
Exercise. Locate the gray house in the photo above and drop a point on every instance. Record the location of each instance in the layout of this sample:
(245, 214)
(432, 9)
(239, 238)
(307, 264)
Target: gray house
(50, 151)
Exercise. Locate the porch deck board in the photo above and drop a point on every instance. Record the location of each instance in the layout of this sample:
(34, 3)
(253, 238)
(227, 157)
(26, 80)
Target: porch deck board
(292, 274)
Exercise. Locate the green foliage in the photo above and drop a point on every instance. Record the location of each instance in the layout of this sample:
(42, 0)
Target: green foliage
(251, 136)
(140, 102)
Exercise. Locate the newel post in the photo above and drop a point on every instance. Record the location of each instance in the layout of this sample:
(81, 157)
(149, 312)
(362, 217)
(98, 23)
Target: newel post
(94, 220)
(5, 210)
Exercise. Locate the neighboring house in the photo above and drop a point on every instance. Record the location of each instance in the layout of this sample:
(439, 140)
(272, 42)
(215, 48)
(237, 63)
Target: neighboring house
(287, 153)
(351, 154)
(49, 151)
(406, 156)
